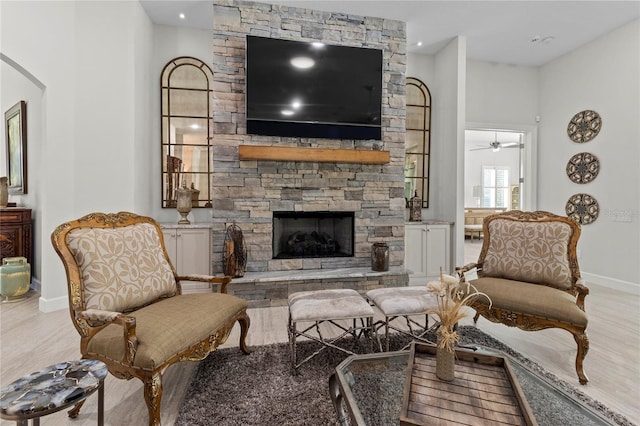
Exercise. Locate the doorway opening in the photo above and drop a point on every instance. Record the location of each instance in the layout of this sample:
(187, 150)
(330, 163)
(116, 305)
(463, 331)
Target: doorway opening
(498, 176)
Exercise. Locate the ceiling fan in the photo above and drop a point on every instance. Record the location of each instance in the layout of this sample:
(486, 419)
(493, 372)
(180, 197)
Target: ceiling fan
(495, 146)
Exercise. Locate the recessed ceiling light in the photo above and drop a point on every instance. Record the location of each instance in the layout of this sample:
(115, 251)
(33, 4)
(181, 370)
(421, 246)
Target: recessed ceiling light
(286, 112)
(317, 44)
(194, 126)
(181, 16)
(548, 40)
(302, 62)
(419, 43)
(296, 104)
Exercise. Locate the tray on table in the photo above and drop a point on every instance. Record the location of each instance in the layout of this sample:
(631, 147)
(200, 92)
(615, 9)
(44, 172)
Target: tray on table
(485, 390)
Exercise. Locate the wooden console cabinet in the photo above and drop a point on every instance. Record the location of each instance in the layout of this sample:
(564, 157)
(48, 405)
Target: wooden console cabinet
(16, 233)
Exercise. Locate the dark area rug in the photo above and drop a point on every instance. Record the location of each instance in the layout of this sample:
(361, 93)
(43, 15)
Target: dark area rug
(230, 388)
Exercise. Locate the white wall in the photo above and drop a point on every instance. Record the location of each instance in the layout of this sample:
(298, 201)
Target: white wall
(18, 87)
(502, 94)
(447, 186)
(84, 53)
(602, 76)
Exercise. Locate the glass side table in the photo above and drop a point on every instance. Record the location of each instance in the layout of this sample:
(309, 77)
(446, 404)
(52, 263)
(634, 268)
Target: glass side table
(367, 390)
(52, 389)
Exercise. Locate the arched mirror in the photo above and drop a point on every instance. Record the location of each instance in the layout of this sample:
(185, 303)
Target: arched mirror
(418, 141)
(186, 130)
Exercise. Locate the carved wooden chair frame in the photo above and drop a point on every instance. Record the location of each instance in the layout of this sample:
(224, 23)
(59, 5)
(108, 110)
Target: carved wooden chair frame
(124, 369)
(529, 322)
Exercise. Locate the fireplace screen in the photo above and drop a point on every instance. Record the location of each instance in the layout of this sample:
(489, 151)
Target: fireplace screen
(312, 234)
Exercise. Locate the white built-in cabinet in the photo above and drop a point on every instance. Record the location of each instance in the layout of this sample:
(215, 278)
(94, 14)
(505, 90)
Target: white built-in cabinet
(427, 248)
(189, 249)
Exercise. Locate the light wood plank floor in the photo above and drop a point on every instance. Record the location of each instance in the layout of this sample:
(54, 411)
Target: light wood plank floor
(30, 339)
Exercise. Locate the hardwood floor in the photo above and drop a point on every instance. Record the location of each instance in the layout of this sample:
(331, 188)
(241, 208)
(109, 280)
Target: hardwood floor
(30, 340)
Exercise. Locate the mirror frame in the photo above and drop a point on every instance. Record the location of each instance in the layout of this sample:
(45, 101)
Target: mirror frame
(425, 150)
(172, 167)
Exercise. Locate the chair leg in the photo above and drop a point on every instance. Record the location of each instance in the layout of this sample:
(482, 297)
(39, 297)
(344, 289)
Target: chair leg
(583, 347)
(73, 413)
(153, 397)
(244, 322)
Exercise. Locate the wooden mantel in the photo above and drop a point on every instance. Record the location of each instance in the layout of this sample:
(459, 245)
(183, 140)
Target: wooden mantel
(315, 155)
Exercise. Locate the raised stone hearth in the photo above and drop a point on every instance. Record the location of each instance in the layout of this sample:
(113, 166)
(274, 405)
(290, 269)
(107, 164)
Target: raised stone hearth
(264, 289)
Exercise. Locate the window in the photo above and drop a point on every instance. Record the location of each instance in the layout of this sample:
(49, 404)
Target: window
(187, 120)
(495, 187)
(418, 141)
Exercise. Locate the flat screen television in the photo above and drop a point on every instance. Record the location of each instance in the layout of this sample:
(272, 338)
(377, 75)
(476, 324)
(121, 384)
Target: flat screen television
(313, 90)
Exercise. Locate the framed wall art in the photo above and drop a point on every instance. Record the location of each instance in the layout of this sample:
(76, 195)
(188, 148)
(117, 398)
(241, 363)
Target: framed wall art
(584, 126)
(583, 167)
(582, 208)
(16, 137)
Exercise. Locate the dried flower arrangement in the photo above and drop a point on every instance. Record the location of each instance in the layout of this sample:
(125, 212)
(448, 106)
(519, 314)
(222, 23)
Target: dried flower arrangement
(452, 297)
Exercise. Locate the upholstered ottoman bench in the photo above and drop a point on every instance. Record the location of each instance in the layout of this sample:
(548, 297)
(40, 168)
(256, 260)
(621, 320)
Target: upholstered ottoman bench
(330, 306)
(403, 302)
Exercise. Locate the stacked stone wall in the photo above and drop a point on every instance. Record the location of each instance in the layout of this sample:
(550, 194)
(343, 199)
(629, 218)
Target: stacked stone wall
(248, 192)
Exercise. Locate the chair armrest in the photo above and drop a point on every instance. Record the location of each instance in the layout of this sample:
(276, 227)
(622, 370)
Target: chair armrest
(223, 281)
(582, 291)
(461, 270)
(127, 323)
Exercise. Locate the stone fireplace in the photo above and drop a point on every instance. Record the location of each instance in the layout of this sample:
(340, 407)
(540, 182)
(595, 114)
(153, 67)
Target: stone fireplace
(312, 234)
(254, 193)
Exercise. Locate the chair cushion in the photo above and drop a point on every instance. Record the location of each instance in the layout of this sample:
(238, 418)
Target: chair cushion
(332, 304)
(395, 301)
(533, 252)
(160, 336)
(531, 299)
(121, 268)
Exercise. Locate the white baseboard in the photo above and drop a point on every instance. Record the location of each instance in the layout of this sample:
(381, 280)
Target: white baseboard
(55, 304)
(35, 285)
(626, 286)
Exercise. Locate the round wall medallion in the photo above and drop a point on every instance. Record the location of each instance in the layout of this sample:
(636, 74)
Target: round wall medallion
(583, 167)
(582, 208)
(584, 126)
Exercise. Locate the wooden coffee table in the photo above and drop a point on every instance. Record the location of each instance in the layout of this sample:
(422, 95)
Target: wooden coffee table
(369, 390)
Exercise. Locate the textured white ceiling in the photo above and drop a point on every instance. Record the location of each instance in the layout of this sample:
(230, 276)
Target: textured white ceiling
(496, 31)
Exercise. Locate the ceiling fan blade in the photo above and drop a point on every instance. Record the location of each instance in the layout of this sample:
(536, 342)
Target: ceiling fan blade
(510, 145)
(478, 149)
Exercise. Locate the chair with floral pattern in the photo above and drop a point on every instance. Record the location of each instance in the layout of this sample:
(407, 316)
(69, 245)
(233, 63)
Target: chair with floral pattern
(529, 269)
(125, 301)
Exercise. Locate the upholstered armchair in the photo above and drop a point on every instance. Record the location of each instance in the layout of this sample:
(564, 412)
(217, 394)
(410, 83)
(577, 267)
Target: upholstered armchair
(529, 269)
(125, 301)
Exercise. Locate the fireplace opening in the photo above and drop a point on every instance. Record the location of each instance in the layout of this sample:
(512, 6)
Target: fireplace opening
(312, 234)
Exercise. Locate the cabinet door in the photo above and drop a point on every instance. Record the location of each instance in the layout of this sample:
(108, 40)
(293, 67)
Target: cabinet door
(415, 256)
(193, 251)
(170, 244)
(437, 251)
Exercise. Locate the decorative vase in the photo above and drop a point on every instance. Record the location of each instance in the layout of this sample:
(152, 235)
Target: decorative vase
(415, 208)
(4, 192)
(380, 257)
(184, 203)
(445, 362)
(15, 277)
